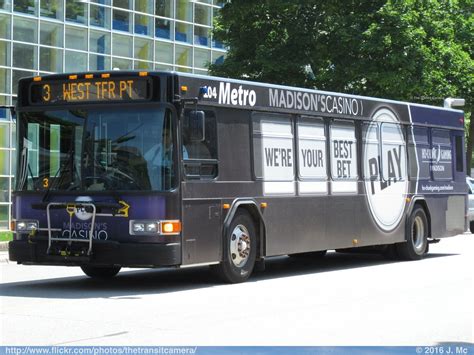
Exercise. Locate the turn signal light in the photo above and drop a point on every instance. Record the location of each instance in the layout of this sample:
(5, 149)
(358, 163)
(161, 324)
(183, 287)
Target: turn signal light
(170, 227)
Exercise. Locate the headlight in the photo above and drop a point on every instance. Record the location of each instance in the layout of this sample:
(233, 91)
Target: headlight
(144, 227)
(26, 226)
(149, 227)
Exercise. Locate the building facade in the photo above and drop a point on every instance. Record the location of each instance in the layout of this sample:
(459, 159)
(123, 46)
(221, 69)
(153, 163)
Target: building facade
(40, 37)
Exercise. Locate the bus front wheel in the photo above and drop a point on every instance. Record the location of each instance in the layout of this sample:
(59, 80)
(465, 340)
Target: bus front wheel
(417, 239)
(100, 272)
(239, 249)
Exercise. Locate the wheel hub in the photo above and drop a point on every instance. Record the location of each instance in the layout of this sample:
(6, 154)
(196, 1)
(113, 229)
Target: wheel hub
(240, 245)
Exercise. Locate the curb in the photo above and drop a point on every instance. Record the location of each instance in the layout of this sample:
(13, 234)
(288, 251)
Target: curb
(4, 246)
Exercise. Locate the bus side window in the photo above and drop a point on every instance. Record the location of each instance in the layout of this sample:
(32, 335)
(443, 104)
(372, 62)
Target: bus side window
(370, 143)
(394, 162)
(200, 153)
(419, 153)
(441, 155)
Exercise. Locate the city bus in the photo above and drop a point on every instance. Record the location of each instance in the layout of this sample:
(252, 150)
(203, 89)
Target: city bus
(166, 169)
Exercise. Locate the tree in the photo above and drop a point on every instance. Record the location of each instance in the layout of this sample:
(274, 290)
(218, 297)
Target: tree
(412, 50)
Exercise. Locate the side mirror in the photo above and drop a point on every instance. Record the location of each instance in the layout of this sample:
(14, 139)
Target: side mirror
(195, 125)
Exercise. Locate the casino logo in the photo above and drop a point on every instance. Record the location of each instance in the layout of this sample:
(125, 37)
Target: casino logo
(81, 212)
(386, 182)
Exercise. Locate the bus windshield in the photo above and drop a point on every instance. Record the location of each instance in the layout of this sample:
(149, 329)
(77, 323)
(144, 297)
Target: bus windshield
(96, 150)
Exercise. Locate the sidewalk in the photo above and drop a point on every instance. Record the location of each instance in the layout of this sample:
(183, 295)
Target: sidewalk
(3, 246)
(4, 252)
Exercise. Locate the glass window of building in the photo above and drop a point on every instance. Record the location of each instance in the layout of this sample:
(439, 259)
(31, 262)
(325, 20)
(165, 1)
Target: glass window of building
(4, 81)
(100, 16)
(183, 32)
(163, 67)
(163, 28)
(201, 36)
(164, 52)
(184, 10)
(51, 34)
(25, 56)
(144, 25)
(220, 3)
(17, 75)
(25, 29)
(202, 14)
(122, 64)
(145, 6)
(143, 49)
(124, 4)
(75, 61)
(4, 162)
(5, 5)
(99, 62)
(122, 45)
(51, 59)
(99, 42)
(218, 57)
(76, 11)
(184, 55)
(164, 8)
(4, 194)
(102, 2)
(52, 9)
(5, 53)
(202, 58)
(25, 6)
(5, 26)
(76, 38)
(121, 21)
(140, 65)
(184, 70)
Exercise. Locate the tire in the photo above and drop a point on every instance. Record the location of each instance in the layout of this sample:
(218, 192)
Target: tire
(315, 255)
(417, 239)
(471, 227)
(239, 249)
(100, 272)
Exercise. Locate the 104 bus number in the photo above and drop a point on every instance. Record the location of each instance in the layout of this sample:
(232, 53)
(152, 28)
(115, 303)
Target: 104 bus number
(210, 92)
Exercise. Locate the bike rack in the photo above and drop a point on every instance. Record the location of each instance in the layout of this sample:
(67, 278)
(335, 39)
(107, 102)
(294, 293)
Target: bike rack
(70, 208)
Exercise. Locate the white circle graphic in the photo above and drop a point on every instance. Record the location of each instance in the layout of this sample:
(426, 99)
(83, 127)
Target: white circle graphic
(385, 169)
(81, 212)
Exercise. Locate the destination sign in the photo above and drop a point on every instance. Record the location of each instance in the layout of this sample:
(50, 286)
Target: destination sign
(93, 90)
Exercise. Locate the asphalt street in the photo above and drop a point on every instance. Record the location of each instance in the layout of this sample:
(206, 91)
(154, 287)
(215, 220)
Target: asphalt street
(344, 299)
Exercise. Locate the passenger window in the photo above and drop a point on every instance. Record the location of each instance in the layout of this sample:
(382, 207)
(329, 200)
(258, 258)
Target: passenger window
(343, 157)
(419, 153)
(459, 155)
(200, 153)
(370, 139)
(393, 153)
(343, 151)
(273, 152)
(441, 155)
(312, 162)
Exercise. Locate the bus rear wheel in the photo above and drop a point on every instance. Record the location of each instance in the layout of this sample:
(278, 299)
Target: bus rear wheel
(239, 249)
(417, 239)
(100, 272)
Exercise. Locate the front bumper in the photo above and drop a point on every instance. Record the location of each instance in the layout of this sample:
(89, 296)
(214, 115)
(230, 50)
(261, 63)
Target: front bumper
(103, 253)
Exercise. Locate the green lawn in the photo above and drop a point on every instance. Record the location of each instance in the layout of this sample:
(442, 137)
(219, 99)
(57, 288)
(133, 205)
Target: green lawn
(6, 236)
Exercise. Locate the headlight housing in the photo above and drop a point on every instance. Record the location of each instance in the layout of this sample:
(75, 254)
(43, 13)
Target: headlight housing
(25, 226)
(151, 227)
